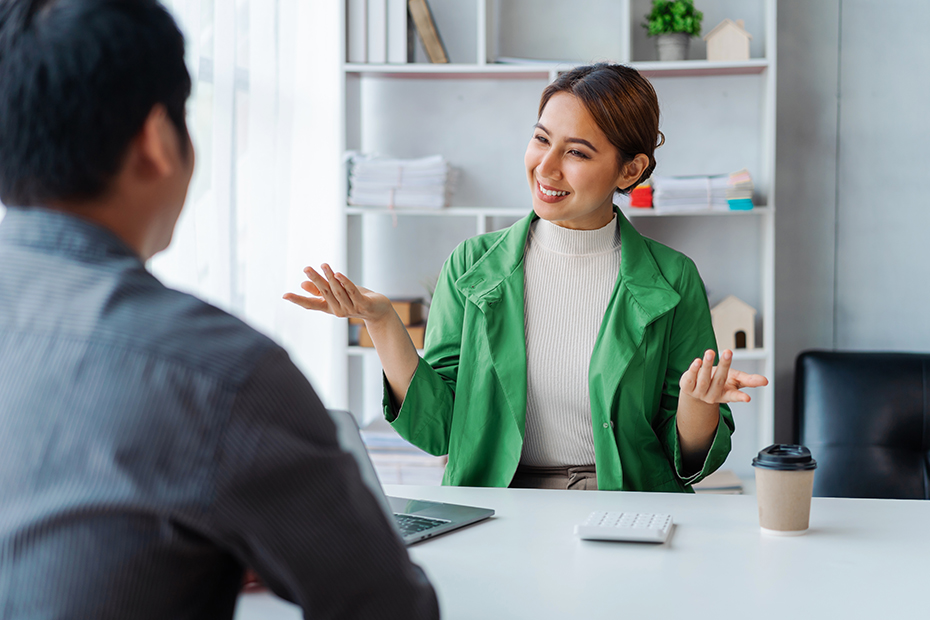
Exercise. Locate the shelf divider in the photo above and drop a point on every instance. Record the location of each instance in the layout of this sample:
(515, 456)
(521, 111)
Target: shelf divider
(684, 68)
(521, 212)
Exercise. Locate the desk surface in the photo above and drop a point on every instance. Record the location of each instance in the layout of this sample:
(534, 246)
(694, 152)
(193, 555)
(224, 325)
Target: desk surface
(860, 559)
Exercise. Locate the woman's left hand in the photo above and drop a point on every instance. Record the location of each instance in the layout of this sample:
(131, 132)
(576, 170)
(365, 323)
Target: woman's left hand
(721, 384)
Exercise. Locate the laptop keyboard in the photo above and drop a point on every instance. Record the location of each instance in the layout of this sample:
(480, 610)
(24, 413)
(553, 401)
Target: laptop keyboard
(412, 524)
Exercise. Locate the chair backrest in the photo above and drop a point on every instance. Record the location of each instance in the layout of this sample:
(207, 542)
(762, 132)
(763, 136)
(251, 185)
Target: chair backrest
(866, 418)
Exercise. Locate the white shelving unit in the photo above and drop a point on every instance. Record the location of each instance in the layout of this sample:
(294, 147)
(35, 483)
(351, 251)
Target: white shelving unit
(717, 117)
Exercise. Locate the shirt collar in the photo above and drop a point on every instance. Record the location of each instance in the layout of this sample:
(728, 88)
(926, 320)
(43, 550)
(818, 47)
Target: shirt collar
(570, 242)
(638, 268)
(54, 231)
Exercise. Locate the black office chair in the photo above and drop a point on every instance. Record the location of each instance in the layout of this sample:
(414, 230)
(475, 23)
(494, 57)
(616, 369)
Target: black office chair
(866, 419)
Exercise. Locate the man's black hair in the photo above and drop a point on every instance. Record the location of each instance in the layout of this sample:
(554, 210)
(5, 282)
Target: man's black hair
(78, 78)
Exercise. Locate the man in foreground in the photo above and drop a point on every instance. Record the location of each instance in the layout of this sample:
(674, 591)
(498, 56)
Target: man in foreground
(151, 445)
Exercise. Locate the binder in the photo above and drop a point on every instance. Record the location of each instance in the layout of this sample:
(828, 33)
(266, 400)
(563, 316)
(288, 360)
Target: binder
(426, 28)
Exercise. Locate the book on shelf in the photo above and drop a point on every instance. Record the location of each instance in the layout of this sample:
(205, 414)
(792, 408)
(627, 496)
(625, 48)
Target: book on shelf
(409, 311)
(357, 31)
(422, 19)
(739, 190)
(400, 42)
(377, 31)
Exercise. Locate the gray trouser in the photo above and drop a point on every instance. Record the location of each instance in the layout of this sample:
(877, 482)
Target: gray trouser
(580, 478)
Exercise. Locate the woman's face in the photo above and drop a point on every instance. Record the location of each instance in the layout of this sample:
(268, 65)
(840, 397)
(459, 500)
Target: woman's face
(571, 167)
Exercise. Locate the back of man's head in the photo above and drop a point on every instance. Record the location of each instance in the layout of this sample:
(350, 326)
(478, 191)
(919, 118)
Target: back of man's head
(78, 78)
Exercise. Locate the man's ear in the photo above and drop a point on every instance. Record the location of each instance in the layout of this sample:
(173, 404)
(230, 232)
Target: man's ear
(632, 170)
(154, 144)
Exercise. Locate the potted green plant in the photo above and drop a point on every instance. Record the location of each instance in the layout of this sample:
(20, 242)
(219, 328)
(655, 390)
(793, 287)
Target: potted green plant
(673, 23)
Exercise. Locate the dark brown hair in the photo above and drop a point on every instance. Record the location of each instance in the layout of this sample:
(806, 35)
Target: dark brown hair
(622, 103)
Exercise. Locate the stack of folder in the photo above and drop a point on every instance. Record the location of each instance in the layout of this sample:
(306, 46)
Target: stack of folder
(739, 191)
(398, 462)
(424, 183)
(641, 196)
(721, 482)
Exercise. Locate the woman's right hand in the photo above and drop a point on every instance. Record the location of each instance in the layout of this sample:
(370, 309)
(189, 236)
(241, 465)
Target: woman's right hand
(336, 294)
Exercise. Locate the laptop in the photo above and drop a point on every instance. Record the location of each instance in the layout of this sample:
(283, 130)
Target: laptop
(414, 519)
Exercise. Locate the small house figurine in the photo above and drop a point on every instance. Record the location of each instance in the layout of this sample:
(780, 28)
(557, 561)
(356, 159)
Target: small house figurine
(734, 324)
(728, 41)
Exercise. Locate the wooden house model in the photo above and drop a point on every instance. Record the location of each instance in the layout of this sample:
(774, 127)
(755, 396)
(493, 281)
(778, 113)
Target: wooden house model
(728, 41)
(734, 324)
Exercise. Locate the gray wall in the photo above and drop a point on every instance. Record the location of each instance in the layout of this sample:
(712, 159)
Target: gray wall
(853, 224)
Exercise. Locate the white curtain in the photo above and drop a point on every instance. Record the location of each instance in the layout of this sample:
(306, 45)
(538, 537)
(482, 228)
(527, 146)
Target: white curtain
(265, 200)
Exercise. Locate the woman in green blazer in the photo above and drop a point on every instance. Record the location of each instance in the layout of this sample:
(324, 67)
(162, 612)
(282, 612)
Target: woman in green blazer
(654, 407)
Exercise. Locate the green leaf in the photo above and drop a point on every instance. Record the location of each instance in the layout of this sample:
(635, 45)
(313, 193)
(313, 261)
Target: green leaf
(669, 16)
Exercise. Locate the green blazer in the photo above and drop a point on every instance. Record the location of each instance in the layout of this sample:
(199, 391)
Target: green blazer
(467, 397)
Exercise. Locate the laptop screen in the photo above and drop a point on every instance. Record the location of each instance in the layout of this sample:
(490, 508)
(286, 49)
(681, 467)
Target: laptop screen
(351, 441)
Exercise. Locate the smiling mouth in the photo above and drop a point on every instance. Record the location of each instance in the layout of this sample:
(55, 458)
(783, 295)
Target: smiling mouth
(552, 193)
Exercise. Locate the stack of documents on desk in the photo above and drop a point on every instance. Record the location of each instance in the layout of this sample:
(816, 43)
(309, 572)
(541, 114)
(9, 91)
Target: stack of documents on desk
(722, 481)
(400, 183)
(398, 462)
(689, 194)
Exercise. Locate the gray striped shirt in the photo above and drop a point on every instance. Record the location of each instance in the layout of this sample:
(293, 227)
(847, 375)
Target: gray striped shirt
(151, 446)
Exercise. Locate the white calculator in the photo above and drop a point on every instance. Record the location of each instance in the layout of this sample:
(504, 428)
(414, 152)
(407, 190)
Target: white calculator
(626, 526)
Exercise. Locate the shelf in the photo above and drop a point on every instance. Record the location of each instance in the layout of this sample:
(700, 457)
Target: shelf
(519, 213)
(426, 70)
(688, 68)
(634, 212)
(741, 355)
(685, 68)
(477, 117)
(446, 212)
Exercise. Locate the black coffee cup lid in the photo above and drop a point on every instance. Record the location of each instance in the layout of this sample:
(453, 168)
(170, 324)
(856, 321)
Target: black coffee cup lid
(785, 457)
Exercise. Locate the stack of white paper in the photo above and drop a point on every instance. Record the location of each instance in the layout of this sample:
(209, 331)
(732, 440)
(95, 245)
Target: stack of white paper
(622, 200)
(400, 183)
(691, 193)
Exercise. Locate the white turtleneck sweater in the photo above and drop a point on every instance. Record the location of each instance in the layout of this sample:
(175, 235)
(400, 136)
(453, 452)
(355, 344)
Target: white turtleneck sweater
(569, 277)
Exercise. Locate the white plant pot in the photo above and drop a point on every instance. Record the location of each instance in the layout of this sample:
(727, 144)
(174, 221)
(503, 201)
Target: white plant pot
(673, 46)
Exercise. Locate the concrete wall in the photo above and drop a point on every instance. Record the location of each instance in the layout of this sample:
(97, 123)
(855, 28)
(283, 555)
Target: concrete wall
(853, 224)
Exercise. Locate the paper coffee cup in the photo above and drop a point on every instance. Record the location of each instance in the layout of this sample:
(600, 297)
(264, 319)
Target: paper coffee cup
(784, 485)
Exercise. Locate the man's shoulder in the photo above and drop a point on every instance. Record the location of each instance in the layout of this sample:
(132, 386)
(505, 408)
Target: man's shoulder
(192, 332)
(112, 301)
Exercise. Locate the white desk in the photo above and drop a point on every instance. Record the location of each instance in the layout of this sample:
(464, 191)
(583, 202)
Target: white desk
(860, 559)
